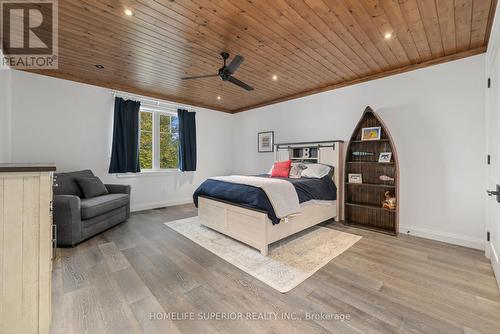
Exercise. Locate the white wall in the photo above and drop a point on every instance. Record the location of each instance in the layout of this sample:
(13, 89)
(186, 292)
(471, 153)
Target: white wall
(70, 124)
(5, 96)
(436, 117)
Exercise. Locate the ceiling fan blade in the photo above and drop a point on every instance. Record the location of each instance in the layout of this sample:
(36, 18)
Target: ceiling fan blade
(240, 83)
(200, 77)
(235, 64)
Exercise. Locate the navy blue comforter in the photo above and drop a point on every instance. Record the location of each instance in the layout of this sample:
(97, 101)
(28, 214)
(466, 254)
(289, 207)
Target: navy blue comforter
(255, 198)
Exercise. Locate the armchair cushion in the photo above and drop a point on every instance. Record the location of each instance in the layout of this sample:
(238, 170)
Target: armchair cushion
(66, 184)
(96, 206)
(91, 186)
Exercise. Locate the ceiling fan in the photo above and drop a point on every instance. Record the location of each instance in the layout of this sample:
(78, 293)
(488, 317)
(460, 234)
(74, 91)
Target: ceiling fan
(226, 72)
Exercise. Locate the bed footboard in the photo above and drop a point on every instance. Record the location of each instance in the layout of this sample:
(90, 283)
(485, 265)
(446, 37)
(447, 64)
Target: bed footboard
(245, 225)
(254, 228)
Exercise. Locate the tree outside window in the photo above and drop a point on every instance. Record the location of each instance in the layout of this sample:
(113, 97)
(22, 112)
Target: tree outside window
(159, 140)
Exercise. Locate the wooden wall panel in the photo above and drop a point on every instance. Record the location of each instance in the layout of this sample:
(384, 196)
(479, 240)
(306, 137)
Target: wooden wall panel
(429, 17)
(396, 22)
(480, 13)
(446, 19)
(463, 22)
(310, 45)
(411, 15)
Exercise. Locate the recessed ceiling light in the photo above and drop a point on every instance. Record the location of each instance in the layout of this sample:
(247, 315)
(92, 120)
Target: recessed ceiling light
(218, 97)
(128, 12)
(388, 35)
(275, 77)
(99, 66)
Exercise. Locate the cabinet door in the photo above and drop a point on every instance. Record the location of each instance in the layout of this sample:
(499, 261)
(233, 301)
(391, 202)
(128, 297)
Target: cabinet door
(25, 252)
(12, 254)
(2, 255)
(282, 155)
(328, 156)
(45, 254)
(30, 246)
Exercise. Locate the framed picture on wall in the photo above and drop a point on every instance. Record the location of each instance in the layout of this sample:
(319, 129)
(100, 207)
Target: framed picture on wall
(265, 141)
(371, 133)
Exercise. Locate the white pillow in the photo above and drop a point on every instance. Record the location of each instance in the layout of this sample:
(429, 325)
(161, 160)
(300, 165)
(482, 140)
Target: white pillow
(316, 171)
(296, 170)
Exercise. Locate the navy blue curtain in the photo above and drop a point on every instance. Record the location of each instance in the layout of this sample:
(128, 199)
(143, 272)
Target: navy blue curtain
(125, 150)
(187, 140)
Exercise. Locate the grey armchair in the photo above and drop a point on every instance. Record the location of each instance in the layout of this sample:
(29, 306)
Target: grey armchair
(78, 219)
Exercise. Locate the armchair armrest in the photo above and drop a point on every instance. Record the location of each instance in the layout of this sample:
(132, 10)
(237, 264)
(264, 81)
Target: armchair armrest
(118, 188)
(67, 218)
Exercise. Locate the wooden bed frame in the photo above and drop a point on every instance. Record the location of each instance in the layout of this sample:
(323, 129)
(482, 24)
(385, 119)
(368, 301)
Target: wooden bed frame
(253, 227)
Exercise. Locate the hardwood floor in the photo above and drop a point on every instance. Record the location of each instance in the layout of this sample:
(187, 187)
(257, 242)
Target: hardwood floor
(114, 282)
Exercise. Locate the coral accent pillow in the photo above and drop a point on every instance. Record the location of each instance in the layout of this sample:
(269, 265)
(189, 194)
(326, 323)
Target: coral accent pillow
(281, 168)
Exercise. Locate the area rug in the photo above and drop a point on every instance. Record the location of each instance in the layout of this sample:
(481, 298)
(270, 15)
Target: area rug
(290, 261)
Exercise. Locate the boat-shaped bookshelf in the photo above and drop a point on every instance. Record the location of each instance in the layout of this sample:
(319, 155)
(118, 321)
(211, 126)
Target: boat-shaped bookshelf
(373, 180)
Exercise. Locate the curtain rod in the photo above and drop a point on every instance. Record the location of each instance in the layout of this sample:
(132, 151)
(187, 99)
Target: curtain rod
(311, 142)
(156, 102)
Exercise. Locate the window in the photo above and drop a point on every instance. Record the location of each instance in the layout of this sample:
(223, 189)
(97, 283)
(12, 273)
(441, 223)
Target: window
(159, 140)
(146, 140)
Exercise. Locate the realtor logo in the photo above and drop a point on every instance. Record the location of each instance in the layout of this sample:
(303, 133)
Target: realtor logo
(29, 34)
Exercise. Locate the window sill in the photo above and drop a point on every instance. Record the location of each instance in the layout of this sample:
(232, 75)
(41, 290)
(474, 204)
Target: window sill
(150, 173)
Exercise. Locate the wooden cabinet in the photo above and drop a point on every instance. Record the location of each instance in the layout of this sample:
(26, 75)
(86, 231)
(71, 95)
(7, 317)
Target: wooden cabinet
(363, 200)
(25, 248)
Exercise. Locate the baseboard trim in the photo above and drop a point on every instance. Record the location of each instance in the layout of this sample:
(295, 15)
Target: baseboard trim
(494, 262)
(150, 206)
(494, 253)
(451, 238)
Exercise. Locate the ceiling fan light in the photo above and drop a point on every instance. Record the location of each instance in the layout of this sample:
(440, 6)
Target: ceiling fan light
(128, 12)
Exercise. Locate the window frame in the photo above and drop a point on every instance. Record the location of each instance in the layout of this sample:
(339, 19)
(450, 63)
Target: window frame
(156, 138)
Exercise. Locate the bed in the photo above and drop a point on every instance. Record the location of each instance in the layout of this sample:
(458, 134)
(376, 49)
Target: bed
(245, 213)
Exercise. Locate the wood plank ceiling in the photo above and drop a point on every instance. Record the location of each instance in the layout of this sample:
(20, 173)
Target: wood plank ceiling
(310, 45)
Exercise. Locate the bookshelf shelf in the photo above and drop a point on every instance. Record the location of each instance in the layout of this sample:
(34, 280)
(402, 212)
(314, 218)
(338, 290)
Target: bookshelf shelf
(371, 141)
(370, 206)
(389, 186)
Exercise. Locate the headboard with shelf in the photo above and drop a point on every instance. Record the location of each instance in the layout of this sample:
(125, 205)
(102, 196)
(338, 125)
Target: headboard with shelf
(328, 152)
